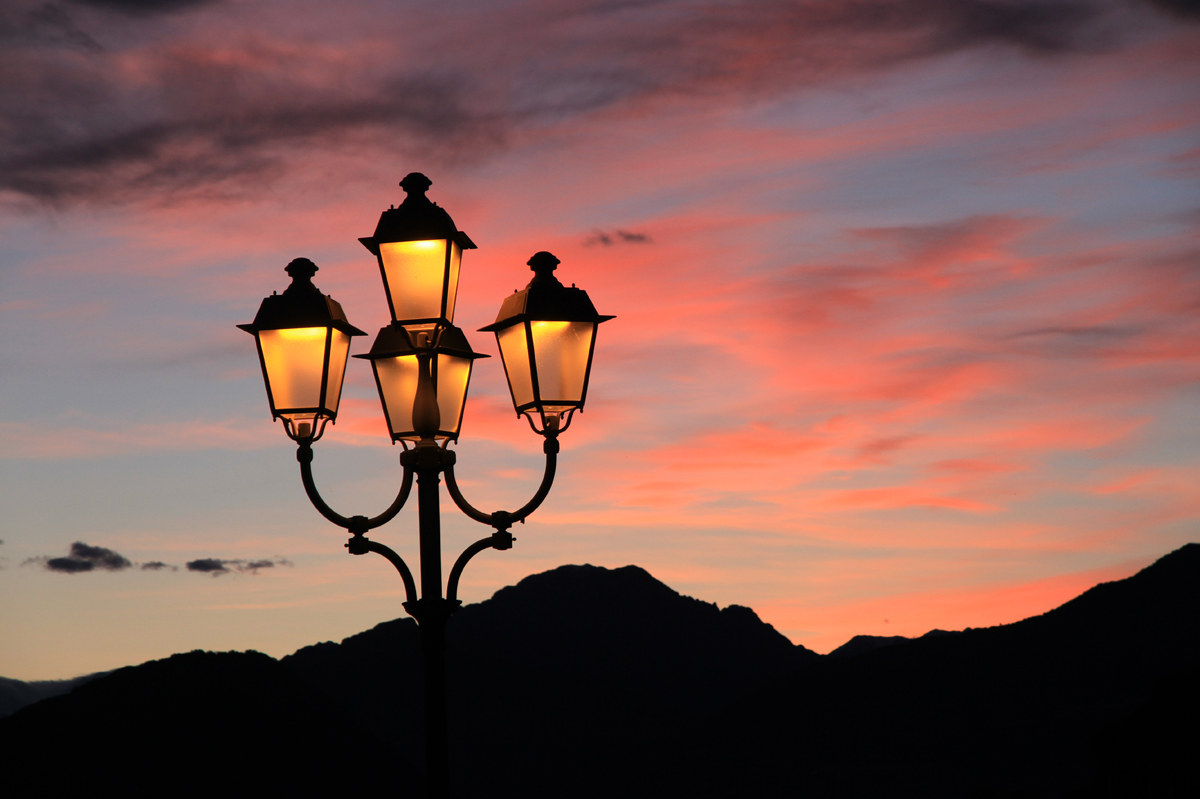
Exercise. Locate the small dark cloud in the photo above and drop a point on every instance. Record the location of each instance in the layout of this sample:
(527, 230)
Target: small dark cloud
(83, 558)
(219, 566)
(212, 566)
(158, 565)
(144, 8)
(607, 239)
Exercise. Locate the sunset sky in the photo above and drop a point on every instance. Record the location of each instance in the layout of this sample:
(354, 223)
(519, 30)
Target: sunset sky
(907, 299)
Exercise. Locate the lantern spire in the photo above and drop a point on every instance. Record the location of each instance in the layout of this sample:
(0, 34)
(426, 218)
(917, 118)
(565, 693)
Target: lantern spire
(543, 265)
(415, 185)
(301, 271)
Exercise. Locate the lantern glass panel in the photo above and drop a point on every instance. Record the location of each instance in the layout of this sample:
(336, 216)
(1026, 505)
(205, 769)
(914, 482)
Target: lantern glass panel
(295, 362)
(339, 352)
(398, 384)
(415, 273)
(561, 352)
(453, 373)
(515, 352)
(452, 285)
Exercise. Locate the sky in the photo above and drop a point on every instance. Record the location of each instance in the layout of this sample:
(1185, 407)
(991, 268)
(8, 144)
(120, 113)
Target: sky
(907, 302)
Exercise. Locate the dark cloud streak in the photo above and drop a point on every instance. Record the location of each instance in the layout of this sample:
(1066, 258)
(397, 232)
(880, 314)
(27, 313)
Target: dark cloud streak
(218, 566)
(145, 7)
(84, 558)
(201, 118)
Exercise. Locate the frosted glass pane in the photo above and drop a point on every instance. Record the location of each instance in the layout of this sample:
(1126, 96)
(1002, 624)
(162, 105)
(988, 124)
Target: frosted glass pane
(295, 360)
(415, 270)
(516, 363)
(398, 382)
(560, 351)
(339, 351)
(452, 288)
(453, 373)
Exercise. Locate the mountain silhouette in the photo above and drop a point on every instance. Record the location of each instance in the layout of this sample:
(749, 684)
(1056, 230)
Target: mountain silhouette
(1004, 711)
(584, 681)
(188, 725)
(581, 665)
(16, 694)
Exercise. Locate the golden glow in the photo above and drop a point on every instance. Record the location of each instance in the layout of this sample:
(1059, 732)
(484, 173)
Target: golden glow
(339, 351)
(398, 381)
(295, 361)
(452, 287)
(415, 272)
(398, 385)
(515, 353)
(561, 352)
(452, 376)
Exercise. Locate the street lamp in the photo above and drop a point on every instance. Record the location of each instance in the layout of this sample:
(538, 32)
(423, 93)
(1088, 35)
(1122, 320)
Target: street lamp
(303, 339)
(422, 365)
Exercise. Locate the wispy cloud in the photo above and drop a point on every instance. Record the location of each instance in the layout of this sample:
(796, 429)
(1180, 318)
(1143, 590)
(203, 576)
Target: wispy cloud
(219, 107)
(219, 566)
(92, 438)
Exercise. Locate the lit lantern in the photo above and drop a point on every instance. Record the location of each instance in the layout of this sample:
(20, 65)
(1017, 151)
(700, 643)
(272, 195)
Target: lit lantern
(303, 341)
(420, 252)
(547, 334)
(396, 358)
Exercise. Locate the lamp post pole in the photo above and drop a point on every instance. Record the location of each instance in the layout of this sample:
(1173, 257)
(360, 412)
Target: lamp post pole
(422, 364)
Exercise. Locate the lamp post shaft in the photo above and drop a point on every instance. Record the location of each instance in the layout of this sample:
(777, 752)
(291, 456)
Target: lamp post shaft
(433, 661)
(432, 617)
(430, 529)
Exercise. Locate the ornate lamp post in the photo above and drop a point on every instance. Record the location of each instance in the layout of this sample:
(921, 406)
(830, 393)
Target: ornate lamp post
(422, 365)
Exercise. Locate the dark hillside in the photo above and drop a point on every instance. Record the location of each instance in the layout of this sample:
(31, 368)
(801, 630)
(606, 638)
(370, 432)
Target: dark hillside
(1004, 711)
(589, 682)
(573, 668)
(191, 724)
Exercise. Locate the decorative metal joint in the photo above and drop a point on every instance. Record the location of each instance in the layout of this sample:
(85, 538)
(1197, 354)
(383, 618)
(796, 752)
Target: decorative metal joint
(501, 520)
(358, 545)
(430, 610)
(502, 539)
(550, 445)
(304, 452)
(358, 525)
(420, 458)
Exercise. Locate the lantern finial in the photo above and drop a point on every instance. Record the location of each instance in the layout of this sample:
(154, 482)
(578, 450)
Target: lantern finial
(543, 265)
(302, 271)
(415, 183)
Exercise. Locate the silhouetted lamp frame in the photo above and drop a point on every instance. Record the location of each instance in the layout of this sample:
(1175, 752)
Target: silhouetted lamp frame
(546, 334)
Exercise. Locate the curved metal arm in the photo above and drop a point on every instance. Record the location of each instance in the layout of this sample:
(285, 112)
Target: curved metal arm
(360, 545)
(355, 524)
(410, 587)
(501, 539)
(501, 520)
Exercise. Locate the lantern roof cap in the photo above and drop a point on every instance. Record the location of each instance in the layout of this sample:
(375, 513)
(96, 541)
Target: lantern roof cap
(394, 341)
(301, 305)
(416, 219)
(545, 299)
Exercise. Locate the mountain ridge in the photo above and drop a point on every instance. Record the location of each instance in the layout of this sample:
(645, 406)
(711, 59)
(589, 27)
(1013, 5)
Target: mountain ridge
(593, 682)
